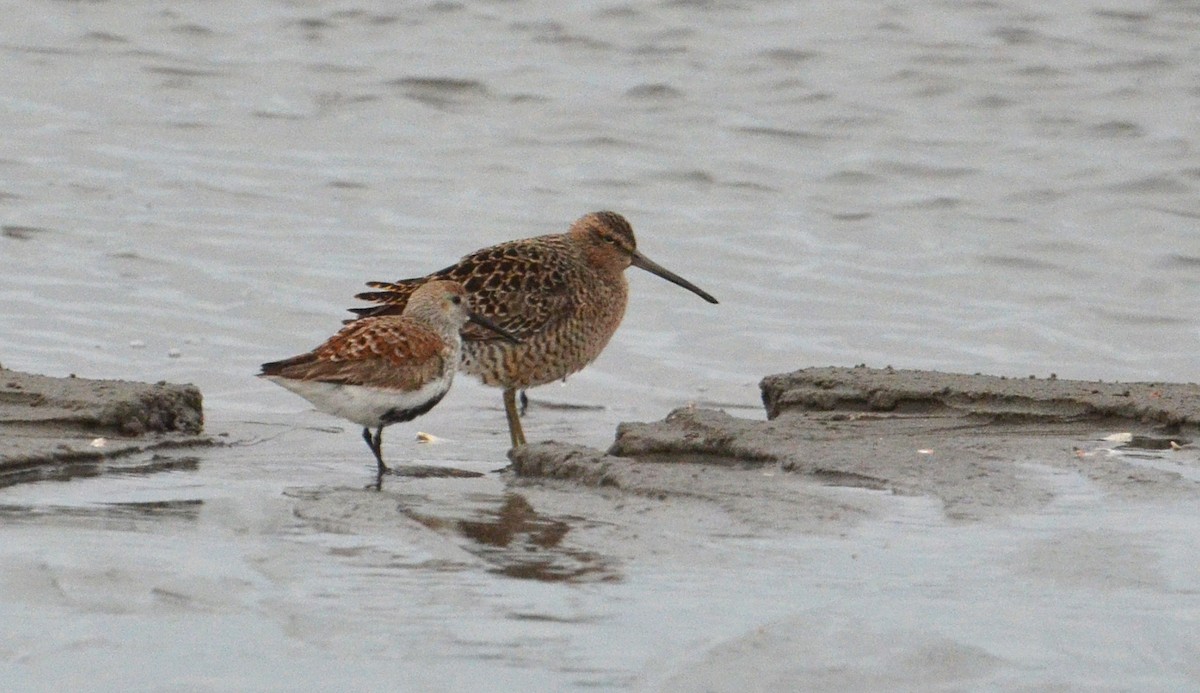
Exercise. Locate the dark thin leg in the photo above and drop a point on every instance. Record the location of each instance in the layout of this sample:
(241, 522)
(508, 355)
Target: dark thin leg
(514, 419)
(376, 444)
(524, 399)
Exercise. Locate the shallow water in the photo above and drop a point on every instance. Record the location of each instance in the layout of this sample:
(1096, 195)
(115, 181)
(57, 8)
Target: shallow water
(190, 190)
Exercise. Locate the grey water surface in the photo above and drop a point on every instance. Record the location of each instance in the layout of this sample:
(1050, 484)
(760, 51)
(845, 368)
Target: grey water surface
(190, 189)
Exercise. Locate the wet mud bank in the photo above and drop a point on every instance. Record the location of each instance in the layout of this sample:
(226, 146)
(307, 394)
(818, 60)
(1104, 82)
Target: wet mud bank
(982, 445)
(61, 427)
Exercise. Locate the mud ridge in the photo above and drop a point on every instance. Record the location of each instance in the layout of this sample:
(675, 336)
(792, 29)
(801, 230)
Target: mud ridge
(47, 421)
(982, 445)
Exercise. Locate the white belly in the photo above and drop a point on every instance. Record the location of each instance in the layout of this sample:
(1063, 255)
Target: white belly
(365, 406)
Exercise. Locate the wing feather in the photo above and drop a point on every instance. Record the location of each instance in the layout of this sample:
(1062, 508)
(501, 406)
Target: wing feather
(391, 352)
(520, 285)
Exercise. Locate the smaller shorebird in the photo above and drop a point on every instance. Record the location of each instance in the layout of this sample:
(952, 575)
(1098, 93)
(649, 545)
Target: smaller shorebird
(563, 295)
(379, 371)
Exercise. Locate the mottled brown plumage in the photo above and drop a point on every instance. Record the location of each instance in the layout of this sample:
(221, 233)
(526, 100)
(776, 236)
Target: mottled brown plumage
(395, 352)
(562, 295)
(388, 369)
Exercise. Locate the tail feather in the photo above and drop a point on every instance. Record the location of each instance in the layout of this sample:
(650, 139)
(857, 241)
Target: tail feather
(374, 311)
(390, 300)
(384, 296)
(276, 367)
(399, 290)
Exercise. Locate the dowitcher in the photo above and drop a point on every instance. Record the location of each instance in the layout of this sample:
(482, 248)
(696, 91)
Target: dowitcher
(562, 295)
(384, 370)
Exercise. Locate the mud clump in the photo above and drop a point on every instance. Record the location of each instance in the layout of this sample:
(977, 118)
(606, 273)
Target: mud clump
(554, 460)
(1046, 400)
(47, 421)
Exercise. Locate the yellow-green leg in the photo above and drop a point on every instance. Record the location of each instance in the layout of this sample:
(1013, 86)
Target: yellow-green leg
(514, 419)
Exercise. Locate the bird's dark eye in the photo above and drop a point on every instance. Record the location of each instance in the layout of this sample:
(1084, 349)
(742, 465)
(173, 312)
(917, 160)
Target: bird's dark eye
(456, 299)
(611, 240)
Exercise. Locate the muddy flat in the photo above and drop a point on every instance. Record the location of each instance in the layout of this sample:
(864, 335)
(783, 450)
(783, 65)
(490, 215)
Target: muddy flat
(882, 529)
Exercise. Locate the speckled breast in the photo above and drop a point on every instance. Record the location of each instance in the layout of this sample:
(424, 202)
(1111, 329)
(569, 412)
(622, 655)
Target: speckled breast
(567, 344)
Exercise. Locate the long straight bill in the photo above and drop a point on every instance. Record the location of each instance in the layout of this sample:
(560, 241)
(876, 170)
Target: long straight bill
(653, 267)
